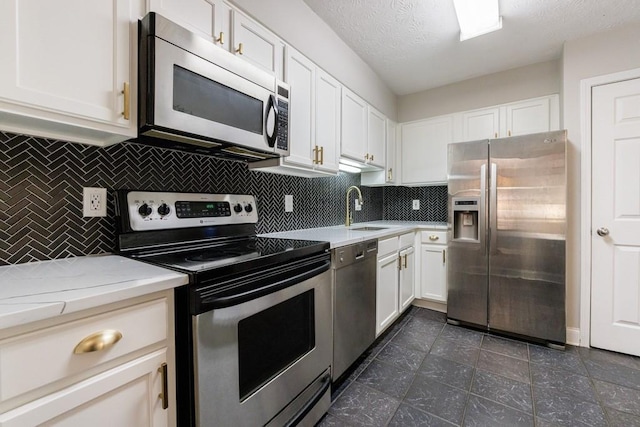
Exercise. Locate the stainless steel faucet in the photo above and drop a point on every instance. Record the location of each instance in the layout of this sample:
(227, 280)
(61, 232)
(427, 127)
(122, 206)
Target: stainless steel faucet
(349, 220)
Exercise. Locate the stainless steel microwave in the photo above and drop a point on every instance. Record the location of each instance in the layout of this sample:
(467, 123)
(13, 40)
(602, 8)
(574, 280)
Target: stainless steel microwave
(194, 96)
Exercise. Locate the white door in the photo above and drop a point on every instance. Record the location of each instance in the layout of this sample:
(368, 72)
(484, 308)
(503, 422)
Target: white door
(354, 126)
(481, 124)
(257, 45)
(433, 273)
(376, 137)
(328, 98)
(615, 217)
(407, 274)
(386, 292)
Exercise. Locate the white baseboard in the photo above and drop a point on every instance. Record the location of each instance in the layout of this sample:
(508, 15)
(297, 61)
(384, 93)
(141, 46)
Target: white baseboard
(432, 305)
(573, 337)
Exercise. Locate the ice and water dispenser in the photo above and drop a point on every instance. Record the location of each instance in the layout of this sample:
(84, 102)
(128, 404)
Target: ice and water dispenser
(466, 212)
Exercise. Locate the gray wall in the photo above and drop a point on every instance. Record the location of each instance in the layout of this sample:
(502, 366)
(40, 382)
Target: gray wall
(605, 53)
(507, 86)
(298, 25)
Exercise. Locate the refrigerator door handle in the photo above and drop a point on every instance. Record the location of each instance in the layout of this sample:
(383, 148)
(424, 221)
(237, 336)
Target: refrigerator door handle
(493, 208)
(482, 224)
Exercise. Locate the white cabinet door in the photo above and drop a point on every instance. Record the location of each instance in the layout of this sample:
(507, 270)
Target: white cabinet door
(407, 275)
(68, 61)
(210, 19)
(386, 291)
(301, 76)
(354, 126)
(257, 45)
(433, 273)
(531, 116)
(127, 395)
(328, 93)
(424, 150)
(391, 170)
(376, 137)
(481, 124)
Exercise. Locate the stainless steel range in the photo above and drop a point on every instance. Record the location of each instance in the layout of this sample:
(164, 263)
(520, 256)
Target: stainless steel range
(253, 326)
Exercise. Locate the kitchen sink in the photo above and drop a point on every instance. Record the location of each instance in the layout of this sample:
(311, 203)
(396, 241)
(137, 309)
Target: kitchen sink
(368, 228)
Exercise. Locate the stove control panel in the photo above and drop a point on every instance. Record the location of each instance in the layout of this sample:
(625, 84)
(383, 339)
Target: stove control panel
(150, 210)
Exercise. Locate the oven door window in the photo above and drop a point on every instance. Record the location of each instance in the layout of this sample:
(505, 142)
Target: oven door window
(202, 97)
(272, 340)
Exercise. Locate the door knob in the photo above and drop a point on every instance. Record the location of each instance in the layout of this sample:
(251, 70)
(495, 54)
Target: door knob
(602, 231)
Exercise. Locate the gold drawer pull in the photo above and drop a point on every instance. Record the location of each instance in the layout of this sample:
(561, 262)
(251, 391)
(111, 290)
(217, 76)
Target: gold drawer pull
(98, 341)
(221, 38)
(164, 396)
(240, 49)
(433, 237)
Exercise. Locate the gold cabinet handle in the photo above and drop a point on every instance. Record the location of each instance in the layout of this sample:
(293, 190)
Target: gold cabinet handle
(371, 158)
(164, 395)
(126, 92)
(405, 260)
(240, 49)
(322, 155)
(221, 38)
(366, 157)
(399, 262)
(509, 133)
(315, 155)
(433, 237)
(444, 259)
(390, 174)
(98, 341)
(496, 134)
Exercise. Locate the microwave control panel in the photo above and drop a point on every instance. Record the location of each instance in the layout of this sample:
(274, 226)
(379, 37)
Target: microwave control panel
(282, 95)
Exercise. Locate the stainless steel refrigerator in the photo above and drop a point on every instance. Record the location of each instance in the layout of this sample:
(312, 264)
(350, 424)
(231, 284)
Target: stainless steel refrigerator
(507, 225)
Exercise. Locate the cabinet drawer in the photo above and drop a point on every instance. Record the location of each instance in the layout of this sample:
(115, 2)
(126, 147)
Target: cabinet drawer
(406, 240)
(387, 246)
(39, 358)
(434, 237)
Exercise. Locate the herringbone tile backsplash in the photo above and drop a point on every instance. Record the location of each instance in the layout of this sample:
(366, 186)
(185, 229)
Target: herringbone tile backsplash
(41, 184)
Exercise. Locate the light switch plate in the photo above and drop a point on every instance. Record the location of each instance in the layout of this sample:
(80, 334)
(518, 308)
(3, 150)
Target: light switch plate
(288, 202)
(416, 205)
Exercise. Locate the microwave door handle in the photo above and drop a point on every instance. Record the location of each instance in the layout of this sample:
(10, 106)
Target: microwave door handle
(271, 105)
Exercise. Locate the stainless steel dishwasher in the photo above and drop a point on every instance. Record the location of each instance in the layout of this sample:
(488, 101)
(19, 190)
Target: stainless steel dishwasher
(354, 302)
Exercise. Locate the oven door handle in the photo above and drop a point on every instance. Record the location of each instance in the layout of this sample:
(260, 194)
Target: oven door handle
(231, 300)
(302, 412)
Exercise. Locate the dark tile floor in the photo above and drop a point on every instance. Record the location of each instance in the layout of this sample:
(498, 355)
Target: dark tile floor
(423, 372)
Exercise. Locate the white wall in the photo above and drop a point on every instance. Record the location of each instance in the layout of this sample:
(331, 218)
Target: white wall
(507, 86)
(299, 26)
(605, 53)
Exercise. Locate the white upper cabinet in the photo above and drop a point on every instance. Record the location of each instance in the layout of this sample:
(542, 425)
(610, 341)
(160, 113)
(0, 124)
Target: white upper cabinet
(301, 76)
(327, 146)
(210, 19)
(66, 65)
(480, 124)
(376, 137)
(354, 126)
(391, 173)
(532, 116)
(314, 121)
(424, 150)
(257, 45)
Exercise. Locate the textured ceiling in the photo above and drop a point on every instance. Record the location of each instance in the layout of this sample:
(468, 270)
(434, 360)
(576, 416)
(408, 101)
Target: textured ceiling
(414, 45)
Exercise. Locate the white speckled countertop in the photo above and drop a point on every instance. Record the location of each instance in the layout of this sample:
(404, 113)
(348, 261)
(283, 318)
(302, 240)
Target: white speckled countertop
(45, 289)
(339, 235)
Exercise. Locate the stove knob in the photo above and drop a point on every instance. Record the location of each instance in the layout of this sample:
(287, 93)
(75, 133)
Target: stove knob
(248, 208)
(144, 210)
(163, 209)
(237, 208)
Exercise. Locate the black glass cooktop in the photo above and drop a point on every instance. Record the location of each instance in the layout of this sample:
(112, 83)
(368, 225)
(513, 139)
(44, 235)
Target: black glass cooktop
(252, 251)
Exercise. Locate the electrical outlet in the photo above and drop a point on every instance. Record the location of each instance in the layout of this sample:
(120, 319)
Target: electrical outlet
(416, 205)
(94, 202)
(357, 205)
(288, 203)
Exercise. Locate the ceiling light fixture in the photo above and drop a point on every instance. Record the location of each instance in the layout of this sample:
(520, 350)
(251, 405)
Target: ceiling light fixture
(477, 17)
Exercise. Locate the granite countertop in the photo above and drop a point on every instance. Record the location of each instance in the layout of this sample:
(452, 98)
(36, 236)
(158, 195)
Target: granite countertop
(45, 289)
(339, 235)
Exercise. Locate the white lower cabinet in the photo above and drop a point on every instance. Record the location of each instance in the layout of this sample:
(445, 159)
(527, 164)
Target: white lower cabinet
(386, 291)
(111, 366)
(407, 262)
(395, 279)
(433, 266)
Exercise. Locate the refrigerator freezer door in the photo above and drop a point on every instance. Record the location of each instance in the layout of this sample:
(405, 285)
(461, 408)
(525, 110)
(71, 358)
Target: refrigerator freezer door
(527, 228)
(467, 266)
